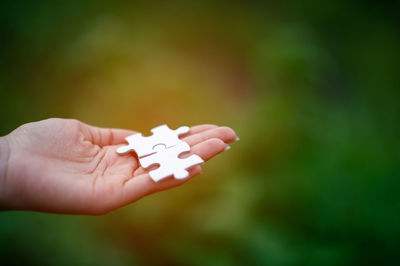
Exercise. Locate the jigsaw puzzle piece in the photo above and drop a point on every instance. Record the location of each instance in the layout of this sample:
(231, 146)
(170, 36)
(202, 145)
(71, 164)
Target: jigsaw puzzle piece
(130, 147)
(162, 135)
(170, 163)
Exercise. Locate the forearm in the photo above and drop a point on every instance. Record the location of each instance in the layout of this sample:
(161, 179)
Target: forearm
(4, 160)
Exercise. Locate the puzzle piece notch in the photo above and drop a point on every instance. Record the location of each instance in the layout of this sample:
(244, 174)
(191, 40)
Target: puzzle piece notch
(144, 146)
(170, 163)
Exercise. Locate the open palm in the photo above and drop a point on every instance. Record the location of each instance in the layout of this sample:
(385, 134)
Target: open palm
(66, 166)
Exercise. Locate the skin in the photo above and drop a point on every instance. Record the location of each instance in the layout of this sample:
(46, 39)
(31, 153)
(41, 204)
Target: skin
(66, 166)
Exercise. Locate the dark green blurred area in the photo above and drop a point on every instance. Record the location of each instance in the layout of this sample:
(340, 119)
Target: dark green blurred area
(311, 87)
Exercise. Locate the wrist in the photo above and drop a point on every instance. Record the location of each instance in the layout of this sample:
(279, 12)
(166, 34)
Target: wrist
(4, 159)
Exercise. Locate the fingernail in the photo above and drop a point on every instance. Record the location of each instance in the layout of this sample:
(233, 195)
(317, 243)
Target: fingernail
(227, 147)
(237, 138)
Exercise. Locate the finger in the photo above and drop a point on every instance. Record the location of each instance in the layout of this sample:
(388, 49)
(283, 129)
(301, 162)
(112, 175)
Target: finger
(197, 129)
(143, 185)
(225, 134)
(111, 136)
(209, 148)
(108, 136)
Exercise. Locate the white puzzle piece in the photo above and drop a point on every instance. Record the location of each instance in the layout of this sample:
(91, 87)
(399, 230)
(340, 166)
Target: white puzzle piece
(162, 135)
(170, 163)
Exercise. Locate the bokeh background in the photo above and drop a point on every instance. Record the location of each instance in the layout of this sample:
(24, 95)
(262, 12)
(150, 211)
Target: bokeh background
(311, 87)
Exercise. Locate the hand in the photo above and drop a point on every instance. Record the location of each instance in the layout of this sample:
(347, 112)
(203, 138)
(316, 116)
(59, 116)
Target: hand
(66, 166)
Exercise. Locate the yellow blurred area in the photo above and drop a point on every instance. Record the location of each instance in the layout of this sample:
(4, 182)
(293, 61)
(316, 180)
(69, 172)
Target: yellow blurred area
(138, 72)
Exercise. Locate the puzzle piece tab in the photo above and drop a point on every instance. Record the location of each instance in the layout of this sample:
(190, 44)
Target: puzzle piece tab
(170, 163)
(162, 135)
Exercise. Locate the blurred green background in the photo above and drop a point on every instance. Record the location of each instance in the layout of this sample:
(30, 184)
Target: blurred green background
(311, 87)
